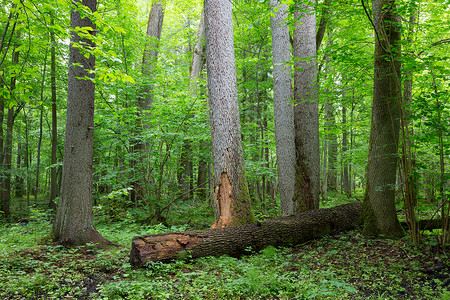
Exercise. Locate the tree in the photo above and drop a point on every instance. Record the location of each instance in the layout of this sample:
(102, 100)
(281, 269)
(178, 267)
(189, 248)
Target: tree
(306, 110)
(73, 224)
(283, 108)
(231, 196)
(53, 159)
(145, 98)
(379, 213)
(235, 241)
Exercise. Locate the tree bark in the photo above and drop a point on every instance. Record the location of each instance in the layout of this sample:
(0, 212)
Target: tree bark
(345, 171)
(283, 108)
(236, 241)
(145, 101)
(306, 111)
(154, 28)
(53, 179)
(379, 213)
(332, 144)
(7, 167)
(73, 225)
(231, 195)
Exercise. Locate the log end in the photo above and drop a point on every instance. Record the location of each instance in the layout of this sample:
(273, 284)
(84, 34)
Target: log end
(160, 247)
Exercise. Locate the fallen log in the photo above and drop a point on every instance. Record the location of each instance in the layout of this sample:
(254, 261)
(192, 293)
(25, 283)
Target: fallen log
(426, 224)
(236, 241)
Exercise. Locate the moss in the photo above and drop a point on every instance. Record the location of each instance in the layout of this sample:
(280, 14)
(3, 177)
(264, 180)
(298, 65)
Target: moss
(242, 205)
(368, 218)
(303, 199)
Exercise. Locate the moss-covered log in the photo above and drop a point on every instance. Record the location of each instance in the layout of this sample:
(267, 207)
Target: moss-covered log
(236, 241)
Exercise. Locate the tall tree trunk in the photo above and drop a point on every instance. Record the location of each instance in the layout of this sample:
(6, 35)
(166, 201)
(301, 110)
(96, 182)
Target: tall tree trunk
(145, 100)
(154, 28)
(73, 224)
(407, 162)
(345, 172)
(38, 161)
(198, 65)
(231, 196)
(7, 169)
(306, 111)
(379, 213)
(2, 149)
(6, 195)
(19, 182)
(283, 108)
(53, 169)
(185, 172)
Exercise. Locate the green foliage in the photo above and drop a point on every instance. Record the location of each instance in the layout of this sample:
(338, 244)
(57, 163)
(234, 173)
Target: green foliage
(338, 267)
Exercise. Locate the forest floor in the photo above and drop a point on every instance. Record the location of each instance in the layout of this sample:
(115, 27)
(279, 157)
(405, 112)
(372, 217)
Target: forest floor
(343, 266)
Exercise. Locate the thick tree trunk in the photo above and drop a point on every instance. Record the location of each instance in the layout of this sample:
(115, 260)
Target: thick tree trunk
(379, 211)
(73, 224)
(283, 108)
(236, 241)
(231, 195)
(306, 111)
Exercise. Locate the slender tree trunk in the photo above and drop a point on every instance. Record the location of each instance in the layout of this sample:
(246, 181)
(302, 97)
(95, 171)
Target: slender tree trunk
(345, 171)
(28, 157)
(73, 224)
(2, 149)
(145, 100)
(19, 182)
(38, 161)
(154, 28)
(8, 163)
(12, 113)
(306, 111)
(379, 213)
(53, 169)
(231, 196)
(283, 108)
(185, 172)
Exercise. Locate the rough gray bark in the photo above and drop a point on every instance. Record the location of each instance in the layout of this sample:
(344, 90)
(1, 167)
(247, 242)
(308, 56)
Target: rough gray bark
(283, 107)
(379, 213)
(231, 196)
(306, 111)
(235, 241)
(73, 224)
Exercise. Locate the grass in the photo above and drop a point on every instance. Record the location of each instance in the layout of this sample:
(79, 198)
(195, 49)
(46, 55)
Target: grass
(344, 266)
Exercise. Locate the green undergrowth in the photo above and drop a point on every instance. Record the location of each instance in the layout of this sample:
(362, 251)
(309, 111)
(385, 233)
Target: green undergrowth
(345, 266)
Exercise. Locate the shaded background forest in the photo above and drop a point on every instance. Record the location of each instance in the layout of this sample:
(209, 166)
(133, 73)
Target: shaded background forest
(177, 167)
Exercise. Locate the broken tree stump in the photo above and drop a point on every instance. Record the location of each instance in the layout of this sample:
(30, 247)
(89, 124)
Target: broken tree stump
(236, 241)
